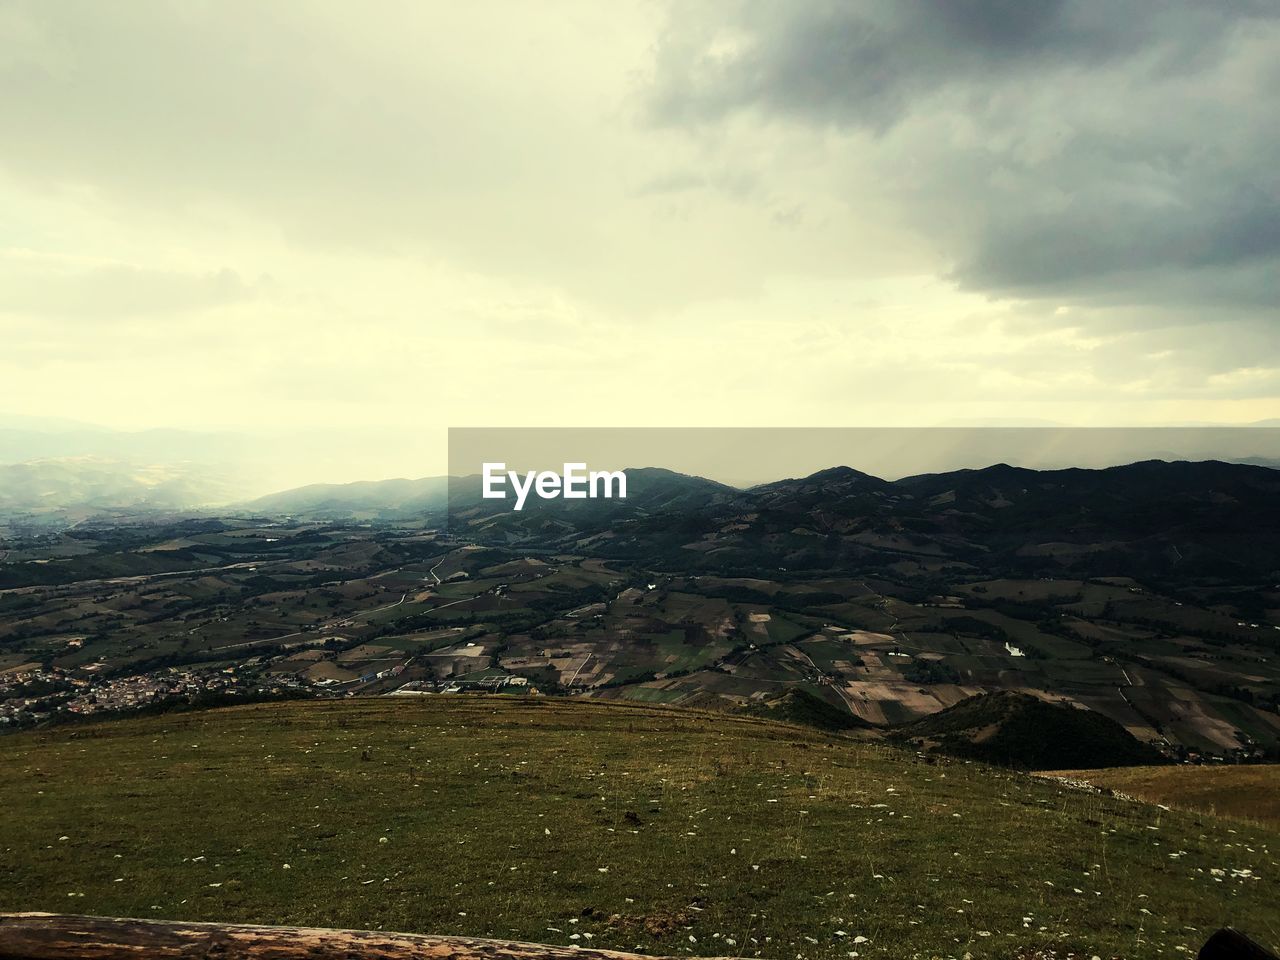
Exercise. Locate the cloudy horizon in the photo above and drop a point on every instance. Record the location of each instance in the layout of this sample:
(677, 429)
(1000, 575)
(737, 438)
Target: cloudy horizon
(336, 223)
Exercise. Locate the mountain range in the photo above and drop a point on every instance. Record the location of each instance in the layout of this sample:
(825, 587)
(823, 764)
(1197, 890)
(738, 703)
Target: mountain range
(1153, 517)
(62, 490)
(1148, 518)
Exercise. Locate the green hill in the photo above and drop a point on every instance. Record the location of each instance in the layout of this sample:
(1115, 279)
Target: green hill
(1017, 730)
(608, 825)
(804, 708)
(1239, 791)
(386, 499)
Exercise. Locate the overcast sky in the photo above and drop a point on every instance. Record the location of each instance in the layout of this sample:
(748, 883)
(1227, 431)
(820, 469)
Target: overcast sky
(395, 217)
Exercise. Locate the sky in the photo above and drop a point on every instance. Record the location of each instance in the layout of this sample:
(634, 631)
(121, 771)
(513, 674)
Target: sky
(345, 227)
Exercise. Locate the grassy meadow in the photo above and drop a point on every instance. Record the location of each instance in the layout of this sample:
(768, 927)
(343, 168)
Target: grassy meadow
(1247, 792)
(607, 825)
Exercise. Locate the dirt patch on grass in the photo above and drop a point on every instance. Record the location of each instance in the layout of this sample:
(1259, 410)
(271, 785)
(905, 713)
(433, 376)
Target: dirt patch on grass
(654, 924)
(327, 670)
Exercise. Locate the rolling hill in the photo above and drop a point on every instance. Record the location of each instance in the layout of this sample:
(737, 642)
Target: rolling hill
(607, 825)
(363, 499)
(1018, 730)
(807, 710)
(1244, 792)
(81, 486)
(1161, 519)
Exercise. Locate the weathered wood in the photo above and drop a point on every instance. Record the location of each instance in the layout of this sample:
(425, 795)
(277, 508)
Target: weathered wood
(55, 936)
(52, 936)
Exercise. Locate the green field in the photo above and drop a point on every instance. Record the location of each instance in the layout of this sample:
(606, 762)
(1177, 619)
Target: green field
(651, 695)
(1250, 793)
(608, 825)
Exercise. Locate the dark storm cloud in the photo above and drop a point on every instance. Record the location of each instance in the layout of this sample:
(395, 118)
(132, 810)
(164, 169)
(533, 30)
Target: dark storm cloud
(865, 62)
(1084, 148)
(1220, 244)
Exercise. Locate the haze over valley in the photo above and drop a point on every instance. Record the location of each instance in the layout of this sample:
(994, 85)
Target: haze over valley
(1142, 594)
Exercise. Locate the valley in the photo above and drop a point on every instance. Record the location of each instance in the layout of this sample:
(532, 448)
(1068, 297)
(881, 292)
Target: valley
(106, 619)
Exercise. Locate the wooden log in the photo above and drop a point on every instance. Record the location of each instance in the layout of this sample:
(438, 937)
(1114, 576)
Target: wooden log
(1229, 944)
(53, 936)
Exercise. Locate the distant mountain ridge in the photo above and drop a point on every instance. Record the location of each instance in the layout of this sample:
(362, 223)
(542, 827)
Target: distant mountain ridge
(363, 499)
(53, 486)
(1205, 518)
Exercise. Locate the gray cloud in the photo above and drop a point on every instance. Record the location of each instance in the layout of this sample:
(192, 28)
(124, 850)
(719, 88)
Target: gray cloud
(1218, 245)
(866, 63)
(1076, 149)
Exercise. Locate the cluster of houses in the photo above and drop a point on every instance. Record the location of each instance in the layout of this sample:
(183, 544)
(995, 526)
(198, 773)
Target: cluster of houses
(45, 693)
(483, 682)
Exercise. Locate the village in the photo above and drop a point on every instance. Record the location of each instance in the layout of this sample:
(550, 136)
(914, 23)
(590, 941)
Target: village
(40, 695)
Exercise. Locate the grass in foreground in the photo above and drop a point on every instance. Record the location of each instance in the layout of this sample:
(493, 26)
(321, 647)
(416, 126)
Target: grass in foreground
(1249, 793)
(606, 825)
